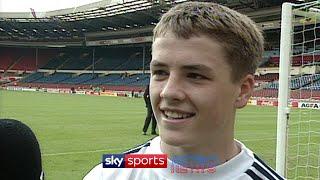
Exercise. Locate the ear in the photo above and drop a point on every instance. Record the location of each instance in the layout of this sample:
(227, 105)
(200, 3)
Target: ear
(246, 89)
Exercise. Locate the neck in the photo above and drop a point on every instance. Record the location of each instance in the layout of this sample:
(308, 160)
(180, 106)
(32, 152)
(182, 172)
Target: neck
(223, 149)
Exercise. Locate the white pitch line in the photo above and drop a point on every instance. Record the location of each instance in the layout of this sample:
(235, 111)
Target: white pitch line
(117, 149)
(263, 139)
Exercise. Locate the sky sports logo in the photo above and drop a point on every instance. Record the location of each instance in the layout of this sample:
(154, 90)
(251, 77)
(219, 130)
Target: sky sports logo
(134, 161)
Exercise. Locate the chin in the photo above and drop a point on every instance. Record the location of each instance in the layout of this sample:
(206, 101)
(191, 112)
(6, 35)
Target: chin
(175, 138)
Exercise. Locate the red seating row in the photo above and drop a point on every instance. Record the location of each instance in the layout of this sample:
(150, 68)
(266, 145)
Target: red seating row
(297, 94)
(24, 59)
(267, 77)
(65, 86)
(298, 60)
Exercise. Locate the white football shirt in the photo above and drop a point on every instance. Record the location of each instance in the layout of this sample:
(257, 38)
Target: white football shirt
(244, 166)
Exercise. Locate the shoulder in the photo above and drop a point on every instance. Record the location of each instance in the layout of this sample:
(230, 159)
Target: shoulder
(98, 172)
(95, 173)
(138, 149)
(259, 169)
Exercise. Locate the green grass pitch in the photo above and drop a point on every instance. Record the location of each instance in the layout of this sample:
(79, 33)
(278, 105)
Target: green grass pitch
(75, 130)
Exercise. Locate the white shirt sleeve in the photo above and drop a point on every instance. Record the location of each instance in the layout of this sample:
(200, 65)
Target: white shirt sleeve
(95, 173)
(100, 173)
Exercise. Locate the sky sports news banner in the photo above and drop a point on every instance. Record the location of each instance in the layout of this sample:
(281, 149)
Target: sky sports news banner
(179, 164)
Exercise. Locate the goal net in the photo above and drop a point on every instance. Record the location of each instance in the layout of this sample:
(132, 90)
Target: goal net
(298, 123)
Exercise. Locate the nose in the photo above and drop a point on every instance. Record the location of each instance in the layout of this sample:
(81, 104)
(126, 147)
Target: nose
(173, 89)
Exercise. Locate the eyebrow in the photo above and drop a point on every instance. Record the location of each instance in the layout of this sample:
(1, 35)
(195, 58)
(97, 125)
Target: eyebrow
(190, 67)
(198, 67)
(155, 63)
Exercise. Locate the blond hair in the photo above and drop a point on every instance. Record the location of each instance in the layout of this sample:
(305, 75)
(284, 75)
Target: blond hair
(241, 39)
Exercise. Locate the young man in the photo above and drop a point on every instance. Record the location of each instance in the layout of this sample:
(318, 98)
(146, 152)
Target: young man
(204, 56)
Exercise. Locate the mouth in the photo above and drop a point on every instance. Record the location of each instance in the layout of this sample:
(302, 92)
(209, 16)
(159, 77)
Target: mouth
(176, 115)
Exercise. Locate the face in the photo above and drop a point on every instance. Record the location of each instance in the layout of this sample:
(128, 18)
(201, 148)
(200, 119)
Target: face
(191, 91)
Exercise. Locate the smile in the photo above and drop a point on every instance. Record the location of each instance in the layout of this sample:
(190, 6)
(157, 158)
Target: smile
(174, 115)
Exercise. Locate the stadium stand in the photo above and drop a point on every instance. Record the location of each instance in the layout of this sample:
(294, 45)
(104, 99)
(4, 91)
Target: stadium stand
(117, 60)
(109, 45)
(56, 62)
(104, 79)
(79, 79)
(298, 94)
(24, 59)
(53, 78)
(298, 60)
(133, 80)
(267, 77)
(313, 86)
(32, 77)
(296, 82)
(5, 61)
(77, 61)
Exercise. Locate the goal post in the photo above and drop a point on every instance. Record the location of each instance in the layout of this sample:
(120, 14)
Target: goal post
(298, 135)
(283, 92)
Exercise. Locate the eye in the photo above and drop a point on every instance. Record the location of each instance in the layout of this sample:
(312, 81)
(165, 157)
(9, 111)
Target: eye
(159, 74)
(196, 76)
